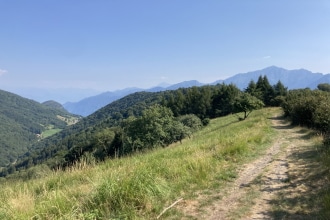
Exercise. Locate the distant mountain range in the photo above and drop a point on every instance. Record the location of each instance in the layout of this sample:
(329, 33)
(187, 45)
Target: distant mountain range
(293, 79)
(89, 105)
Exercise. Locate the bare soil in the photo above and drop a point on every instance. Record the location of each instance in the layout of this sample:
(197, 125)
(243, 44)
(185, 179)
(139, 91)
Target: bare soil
(284, 183)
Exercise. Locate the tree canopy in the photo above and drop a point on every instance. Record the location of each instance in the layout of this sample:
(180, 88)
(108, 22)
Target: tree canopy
(246, 103)
(324, 87)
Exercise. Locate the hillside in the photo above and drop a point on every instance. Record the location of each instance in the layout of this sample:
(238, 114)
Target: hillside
(22, 123)
(109, 131)
(53, 149)
(226, 169)
(139, 186)
(54, 105)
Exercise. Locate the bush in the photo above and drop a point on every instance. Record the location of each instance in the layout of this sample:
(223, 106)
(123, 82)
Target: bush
(300, 106)
(191, 121)
(309, 108)
(206, 121)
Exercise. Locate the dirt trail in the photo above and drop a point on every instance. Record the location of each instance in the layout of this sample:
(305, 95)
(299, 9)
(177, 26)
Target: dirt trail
(283, 181)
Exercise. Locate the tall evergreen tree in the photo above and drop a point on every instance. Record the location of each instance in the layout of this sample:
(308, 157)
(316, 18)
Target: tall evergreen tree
(266, 90)
(253, 90)
(280, 89)
(279, 94)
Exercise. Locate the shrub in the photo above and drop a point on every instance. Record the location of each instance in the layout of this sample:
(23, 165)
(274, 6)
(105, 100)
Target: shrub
(191, 121)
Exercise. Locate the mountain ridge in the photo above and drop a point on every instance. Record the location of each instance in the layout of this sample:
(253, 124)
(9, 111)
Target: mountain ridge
(293, 79)
(89, 105)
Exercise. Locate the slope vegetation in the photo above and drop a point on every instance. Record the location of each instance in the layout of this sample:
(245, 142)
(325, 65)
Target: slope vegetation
(258, 168)
(22, 122)
(143, 185)
(115, 130)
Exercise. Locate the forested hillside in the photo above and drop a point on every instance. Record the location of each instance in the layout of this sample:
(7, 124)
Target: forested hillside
(22, 123)
(146, 120)
(139, 186)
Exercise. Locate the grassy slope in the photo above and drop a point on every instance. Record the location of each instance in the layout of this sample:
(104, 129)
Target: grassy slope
(50, 132)
(140, 186)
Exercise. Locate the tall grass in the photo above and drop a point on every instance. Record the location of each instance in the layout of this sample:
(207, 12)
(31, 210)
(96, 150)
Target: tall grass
(325, 159)
(142, 185)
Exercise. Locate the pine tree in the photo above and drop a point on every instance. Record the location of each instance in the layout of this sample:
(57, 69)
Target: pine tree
(280, 89)
(253, 90)
(267, 91)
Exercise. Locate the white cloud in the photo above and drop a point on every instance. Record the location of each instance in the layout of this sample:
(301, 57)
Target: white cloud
(2, 72)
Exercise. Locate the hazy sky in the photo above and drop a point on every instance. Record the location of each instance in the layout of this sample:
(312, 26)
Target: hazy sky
(114, 44)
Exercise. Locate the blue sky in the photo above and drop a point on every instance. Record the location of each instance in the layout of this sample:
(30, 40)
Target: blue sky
(114, 44)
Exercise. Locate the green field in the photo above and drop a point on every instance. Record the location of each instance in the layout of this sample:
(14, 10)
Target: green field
(50, 132)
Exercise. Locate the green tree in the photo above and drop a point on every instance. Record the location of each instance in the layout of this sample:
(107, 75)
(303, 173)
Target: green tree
(204, 104)
(324, 87)
(280, 91)
(266, 90)
(253, 90)
(300, 105)
(223, 99)
(11, 169)
(246, 103)
(178, 132)
(309, 108)
(151, 129)
(194, 100)
(176, 101)
(102, 143)
(191, 121)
